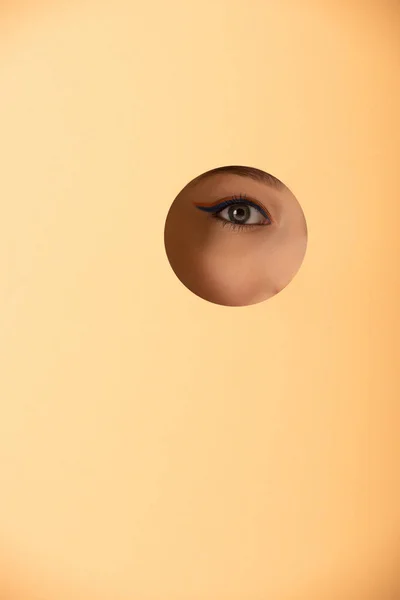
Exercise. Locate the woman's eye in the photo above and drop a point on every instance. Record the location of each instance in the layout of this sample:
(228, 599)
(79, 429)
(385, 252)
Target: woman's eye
(238, 212)
(241, 214)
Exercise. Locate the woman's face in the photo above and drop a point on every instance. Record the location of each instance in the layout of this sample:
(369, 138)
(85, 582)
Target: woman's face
(235, 236)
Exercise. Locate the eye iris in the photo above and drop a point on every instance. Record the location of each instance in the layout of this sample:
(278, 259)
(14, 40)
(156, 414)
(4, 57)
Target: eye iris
(239, 213)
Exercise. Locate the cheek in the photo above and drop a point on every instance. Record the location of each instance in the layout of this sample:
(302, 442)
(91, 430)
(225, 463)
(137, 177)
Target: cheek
(233, 277)
(232, 269)
(287, 259)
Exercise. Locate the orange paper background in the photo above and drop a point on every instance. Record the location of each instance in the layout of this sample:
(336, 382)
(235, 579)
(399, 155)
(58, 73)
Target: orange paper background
(152, 445)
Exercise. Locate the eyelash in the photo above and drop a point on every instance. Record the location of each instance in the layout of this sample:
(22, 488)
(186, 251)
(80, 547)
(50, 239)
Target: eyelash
(241, 199)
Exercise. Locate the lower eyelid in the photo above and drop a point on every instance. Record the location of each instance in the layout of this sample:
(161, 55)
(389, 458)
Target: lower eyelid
(237, 226)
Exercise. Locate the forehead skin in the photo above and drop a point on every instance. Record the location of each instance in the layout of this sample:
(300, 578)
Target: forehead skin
(251, 172)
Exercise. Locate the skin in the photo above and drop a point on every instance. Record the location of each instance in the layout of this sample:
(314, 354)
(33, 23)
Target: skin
(235, 266)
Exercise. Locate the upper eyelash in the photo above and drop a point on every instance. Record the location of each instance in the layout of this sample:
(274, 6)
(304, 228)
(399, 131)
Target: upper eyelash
(217, 208)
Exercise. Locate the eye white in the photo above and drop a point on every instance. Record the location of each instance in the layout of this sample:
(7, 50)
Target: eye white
(254, 216)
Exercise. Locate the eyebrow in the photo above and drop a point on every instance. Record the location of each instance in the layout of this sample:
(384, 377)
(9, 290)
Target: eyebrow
(250, 172)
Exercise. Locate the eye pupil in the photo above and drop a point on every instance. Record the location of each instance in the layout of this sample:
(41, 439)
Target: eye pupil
(239, 213)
